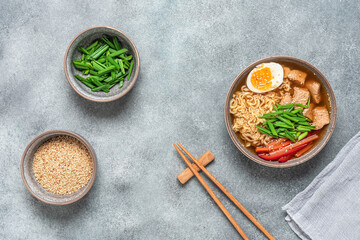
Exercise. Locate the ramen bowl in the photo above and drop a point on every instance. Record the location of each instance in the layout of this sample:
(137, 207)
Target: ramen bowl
(326, 131)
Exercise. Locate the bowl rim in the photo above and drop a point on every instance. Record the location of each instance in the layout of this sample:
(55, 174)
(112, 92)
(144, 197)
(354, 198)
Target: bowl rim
(137, 59)
(316, 149)
(54, 133)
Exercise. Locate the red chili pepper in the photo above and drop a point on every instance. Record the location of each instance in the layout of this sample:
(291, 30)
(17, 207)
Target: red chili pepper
(286, 158)
(280, 153)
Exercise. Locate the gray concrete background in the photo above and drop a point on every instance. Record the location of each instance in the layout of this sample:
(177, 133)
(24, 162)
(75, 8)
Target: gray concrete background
(190, 52)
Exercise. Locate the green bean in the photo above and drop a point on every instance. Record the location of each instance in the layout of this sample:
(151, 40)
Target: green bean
(93, 72)
(83, 50)
(103, 87)
(107, 80)
(272, 129)
(285, 121)
(280, 129)
(296, 111)
(111, 60)
(88, 84)
(96, 55)
(117, 53)
(101, 60)
(121, 83)
(106, 70)
(274, 113)
(264, 130)
(283, 135)
(262, 117)
(290, 118)
(285, 106)
(79, 77)
(290, 109)
(283, 125)
(308, 103)
(302, 136)
(297, 135)
(271, 120)
(289, 136)
(305, 128)
(97, 82)
(92, 46)
(80, 65)
(116, 43)
(97, 66)
(122, 66)
(276, 109)
(130, 69)
(301, 105)
(107, 41)
(304, 123)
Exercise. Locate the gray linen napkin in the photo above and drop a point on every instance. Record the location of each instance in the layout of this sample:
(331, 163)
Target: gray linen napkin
(329, 208)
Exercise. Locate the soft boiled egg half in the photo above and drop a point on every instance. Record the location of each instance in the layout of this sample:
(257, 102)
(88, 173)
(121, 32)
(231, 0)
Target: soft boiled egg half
(265, 77)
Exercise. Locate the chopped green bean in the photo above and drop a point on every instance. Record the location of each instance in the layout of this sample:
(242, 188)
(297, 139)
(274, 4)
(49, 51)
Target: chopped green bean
(301, 105)
(130, 69)
(92, 46)
(285, 120)
(285, 106)
(107, 41)
(116, 43)
(272, 129)
(117, 53)
(302, 136)
(264, 130)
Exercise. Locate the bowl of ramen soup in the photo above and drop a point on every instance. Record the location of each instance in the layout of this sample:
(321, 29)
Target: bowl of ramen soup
(280, 111)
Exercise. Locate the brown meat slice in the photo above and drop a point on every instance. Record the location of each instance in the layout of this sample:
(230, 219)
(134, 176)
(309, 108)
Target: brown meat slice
(308, 112)
(314, 88)
(297, 76)
(321, 117)
(286, 72)
(286, 99)
(301, 95)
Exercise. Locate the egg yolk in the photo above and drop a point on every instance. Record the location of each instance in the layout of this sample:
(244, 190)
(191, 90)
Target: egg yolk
(262, 78)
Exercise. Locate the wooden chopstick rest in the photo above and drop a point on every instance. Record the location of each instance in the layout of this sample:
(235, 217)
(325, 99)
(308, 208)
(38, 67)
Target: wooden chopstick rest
(187, 174)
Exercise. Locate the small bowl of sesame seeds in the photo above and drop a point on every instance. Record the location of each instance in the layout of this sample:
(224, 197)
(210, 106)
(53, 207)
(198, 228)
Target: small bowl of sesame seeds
(58, 167)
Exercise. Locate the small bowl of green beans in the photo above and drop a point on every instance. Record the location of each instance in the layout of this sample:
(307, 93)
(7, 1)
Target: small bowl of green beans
(101, 64)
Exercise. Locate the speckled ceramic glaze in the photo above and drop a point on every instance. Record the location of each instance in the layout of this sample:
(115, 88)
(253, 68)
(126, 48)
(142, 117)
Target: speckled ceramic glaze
(86, 38)
(329, 128)
(32, 184)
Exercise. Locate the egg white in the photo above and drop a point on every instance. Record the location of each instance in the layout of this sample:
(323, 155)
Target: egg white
(277, 72)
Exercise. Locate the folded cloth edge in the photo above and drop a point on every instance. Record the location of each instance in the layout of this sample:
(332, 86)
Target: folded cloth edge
(296, 204)
(320, 178)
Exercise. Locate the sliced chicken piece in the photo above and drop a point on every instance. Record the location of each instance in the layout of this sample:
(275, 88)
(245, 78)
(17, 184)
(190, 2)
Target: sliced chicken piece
(301, 95)
(297, 76)
(314, 88)
(286, 99)
(308, 112)
(286, 72)
(321, 117)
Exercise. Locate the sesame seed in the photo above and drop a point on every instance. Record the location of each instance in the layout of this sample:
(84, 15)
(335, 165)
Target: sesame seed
(62, 165)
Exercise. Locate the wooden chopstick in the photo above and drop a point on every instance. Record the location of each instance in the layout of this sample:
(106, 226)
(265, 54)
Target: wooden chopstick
(229, 195)
(212, 194)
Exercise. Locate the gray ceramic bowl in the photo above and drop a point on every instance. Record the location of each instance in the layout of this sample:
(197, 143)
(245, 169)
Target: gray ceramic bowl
(32, 184)
(85, 38)
(326, 133)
